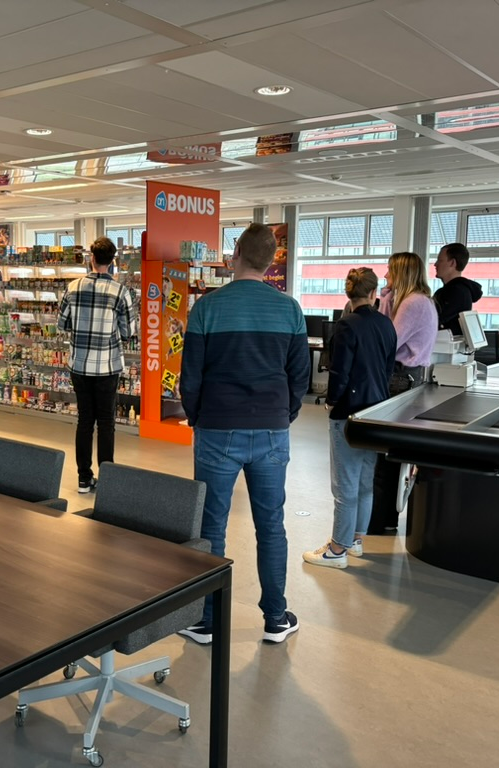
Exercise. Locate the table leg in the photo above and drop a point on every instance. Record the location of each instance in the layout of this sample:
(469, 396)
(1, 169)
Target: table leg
(220, 675)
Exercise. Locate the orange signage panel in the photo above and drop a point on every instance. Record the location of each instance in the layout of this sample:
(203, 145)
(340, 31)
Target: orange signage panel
(176, 213)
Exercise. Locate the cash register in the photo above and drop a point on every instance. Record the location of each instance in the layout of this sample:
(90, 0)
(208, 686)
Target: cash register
(453, 362)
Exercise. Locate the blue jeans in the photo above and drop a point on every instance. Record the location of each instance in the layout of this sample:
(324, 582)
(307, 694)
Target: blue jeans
(263, 455)
(352, 475)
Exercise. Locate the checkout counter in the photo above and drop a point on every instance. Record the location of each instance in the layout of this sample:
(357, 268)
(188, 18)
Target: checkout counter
(445, 435)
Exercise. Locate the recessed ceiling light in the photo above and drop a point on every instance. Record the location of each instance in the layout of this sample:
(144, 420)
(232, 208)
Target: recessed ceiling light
(273, 90)
(38, 131)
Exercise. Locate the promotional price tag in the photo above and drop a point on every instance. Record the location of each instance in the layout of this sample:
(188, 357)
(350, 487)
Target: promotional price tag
(176, 342)
(169, 380)
(174, 300)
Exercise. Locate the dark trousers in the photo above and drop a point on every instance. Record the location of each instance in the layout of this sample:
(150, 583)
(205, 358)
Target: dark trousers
(96, 398)
(386, 474)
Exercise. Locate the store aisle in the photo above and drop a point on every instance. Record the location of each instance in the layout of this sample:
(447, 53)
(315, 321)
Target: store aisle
(396, 662)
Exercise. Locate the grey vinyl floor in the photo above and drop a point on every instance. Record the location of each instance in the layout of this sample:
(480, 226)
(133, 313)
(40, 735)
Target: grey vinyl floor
(396, 662)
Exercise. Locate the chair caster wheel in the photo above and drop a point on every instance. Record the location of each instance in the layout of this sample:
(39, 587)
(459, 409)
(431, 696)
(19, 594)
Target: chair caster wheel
(70, 671)
(20, 716)
(183, 724)
(93, 756)
(160, 675)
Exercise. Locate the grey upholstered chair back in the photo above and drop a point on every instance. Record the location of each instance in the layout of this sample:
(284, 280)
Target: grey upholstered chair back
(155, 503)
(160, 505)
(30, 472)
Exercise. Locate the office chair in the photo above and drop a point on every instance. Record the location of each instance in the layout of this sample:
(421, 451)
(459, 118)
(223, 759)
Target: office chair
(328, 328)
(159, 505)
(32, 473)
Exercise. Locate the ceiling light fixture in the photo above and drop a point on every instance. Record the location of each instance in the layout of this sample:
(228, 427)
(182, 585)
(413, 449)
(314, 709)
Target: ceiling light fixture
(101, 213)
(273, 90)
(25, 218)
(47, 189)
(38, 131)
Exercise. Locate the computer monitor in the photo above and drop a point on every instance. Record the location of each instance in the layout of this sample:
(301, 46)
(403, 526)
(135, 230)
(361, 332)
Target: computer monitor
(473, 333)
(314, 325)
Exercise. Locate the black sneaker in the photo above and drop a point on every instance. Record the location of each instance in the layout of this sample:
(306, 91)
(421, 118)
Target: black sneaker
(85, 486)
(200, 633)
(277, 631)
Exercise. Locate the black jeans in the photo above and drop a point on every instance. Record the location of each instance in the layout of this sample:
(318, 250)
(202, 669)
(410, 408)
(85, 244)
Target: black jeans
(96, 398)
(386, 474)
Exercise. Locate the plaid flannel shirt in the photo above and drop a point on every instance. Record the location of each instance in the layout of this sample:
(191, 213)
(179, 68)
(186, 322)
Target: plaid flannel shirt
(99, 314)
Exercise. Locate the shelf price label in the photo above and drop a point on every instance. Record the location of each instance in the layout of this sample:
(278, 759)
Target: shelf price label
(176, 343)
(174, 300)
(168, 380)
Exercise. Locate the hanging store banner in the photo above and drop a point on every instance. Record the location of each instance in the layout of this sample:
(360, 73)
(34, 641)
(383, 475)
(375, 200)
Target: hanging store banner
(195, 153)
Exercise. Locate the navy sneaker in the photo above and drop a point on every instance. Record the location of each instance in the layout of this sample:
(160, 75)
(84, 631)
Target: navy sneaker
(85, 486)
(277, 631)
(200, 633)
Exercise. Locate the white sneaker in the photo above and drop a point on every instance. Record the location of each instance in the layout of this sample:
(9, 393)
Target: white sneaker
(356, 549)
(325, 556)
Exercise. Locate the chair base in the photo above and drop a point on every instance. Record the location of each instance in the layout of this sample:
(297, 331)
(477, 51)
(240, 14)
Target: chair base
(105, 680)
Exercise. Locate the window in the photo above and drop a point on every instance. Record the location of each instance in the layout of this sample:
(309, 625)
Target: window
(482, 239)
(229, 239)
(137, 236)
(57, 237)
(322, 267)
(346, 236)
(115, 234)
(132, 236)
(380, 235)
(483, 231)
(443, 229)
(45, 238)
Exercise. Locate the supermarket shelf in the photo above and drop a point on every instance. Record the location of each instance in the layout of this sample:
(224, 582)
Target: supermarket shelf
(14, 410)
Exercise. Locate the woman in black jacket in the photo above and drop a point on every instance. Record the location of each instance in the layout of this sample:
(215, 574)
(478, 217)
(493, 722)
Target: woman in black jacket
(362, 359)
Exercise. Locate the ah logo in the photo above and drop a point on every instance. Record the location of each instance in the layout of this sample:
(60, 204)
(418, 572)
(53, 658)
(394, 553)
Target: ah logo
(153, 292)
(162, 152)
(161, 201)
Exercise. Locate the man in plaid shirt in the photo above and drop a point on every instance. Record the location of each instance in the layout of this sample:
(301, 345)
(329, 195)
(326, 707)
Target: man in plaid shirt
(99, 314)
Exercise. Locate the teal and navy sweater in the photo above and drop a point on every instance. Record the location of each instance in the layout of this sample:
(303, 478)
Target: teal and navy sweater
(245, 362)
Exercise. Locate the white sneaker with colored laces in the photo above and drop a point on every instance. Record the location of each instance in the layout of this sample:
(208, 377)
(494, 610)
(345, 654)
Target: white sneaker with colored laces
(325, 556)
(356, 549)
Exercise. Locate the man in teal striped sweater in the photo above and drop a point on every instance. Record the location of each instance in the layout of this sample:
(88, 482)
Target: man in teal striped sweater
(245, 369)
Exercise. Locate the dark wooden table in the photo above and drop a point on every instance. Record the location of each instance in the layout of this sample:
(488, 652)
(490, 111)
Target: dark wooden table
(70, 585)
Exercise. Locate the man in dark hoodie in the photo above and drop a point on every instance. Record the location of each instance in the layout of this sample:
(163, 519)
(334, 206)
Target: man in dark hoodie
(457, 293)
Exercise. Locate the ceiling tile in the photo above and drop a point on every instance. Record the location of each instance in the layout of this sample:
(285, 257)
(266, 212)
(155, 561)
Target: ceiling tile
(18, 16)
(379, 44)
(323, 70)
(243, 77)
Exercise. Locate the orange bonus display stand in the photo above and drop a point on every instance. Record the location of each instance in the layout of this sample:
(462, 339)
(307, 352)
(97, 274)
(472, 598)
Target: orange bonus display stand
(174, 213)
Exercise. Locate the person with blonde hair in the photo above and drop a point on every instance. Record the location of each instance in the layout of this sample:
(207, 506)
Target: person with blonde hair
(362, 358)
(414, 315)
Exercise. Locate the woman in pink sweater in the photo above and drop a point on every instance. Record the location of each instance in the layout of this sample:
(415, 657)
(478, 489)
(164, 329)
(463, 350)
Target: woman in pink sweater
(414, 315)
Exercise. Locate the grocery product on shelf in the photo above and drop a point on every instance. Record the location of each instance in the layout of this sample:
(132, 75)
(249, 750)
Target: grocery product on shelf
(33, 353)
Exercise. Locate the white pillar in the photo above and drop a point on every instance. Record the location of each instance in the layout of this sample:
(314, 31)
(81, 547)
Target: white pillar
(422, 225)
(275, 214)
(18, 233)
(290, 216)
(90, 232)
(403, 223)
(260, 215)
